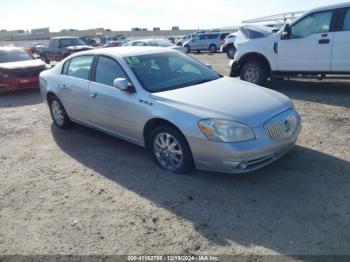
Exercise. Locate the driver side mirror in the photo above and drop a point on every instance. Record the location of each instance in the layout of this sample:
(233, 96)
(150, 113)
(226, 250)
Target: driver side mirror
(286, 32)
(123, 85)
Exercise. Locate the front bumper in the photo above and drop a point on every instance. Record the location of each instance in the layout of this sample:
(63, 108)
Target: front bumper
(241, 157)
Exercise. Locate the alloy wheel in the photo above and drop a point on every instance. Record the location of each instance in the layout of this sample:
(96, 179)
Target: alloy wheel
(168, 151)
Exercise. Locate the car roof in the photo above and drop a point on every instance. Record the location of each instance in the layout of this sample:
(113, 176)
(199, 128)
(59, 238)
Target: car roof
(126, 51)
(329, 7)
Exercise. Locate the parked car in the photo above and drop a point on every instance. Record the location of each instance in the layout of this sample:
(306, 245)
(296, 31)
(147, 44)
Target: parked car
(89, 41)
(312, 45)
(179, 41)
(61, 47)
(19, 69)
(171, 39)
(155, 42)
(229, 46)
(114, 44)
(186, 114)
(205, 42)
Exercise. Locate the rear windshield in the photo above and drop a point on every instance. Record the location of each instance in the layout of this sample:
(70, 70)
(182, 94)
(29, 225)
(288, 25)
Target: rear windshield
(160, 42)
(14, 56)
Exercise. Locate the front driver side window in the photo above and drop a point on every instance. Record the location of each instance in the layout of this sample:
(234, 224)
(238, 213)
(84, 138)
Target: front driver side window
(312, 24)
(107, 70)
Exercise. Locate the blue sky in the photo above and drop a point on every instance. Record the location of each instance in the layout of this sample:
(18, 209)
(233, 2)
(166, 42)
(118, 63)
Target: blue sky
(124, 14)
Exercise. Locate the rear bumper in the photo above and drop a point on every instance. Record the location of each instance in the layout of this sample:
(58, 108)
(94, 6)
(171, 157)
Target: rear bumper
(9, 83)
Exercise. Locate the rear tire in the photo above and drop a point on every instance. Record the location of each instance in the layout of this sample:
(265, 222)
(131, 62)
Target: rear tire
(43, 57)
(254, 71)
(213, 48)
(170, 150)
(59, 114)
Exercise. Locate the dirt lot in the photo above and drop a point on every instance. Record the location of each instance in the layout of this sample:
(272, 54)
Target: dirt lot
(84, 192)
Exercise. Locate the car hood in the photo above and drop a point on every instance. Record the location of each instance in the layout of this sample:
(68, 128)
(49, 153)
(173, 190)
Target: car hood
(22, 64)
(79, 47)
(227, 98)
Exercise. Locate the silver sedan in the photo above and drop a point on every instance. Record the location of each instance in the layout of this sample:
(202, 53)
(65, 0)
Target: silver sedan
(185, 113)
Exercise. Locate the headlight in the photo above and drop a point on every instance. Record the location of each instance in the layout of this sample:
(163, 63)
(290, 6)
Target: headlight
(225, 130)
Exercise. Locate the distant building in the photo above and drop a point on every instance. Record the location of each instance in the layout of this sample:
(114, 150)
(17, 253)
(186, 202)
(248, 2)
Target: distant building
(156, 28)
(175, 28)
(41, 31)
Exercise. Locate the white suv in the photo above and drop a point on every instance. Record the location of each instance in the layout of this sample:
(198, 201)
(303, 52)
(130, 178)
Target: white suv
(315, 44)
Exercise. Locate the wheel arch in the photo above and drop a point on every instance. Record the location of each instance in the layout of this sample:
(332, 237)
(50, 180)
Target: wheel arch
(153, 123)
(254, 56)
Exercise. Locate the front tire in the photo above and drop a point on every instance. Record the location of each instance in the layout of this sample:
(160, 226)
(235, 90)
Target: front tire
(59, 114)
(231, 52)
(254, 71)
(188, 49)
(170, 150)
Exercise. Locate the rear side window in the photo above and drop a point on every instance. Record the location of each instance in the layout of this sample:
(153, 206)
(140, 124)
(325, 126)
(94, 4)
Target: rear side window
(107, 70)
(80, 67)
(213, 36)
(312, 24)
(346, 26)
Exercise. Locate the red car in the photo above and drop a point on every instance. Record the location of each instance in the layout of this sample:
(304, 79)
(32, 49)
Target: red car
(19, 69)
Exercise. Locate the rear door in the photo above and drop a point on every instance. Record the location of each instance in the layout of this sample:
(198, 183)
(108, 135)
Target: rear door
(73, 89)
(341, 43)
(310, 45)
(111, 109)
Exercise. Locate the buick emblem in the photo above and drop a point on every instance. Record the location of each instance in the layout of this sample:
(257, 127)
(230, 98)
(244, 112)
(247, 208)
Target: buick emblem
(286, 126)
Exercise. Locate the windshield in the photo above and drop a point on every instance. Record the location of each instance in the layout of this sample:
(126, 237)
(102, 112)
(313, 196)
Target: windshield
(167, 71)
(14, 56)
(162, 43)
(71, 42)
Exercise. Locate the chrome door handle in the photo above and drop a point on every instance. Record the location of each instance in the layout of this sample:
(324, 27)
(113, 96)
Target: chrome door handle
(94, 95)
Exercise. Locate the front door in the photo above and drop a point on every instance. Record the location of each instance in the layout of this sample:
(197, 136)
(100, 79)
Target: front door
(310, 45)
(341, 44)
(110, 108)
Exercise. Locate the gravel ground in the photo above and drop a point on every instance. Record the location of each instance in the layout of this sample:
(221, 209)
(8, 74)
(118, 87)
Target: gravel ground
(83, 192)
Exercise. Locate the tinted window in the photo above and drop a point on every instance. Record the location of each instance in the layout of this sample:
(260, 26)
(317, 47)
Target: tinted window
(14, 56)
(203, 37)
(213, 36)
(71, 42)
(166, 71)
(312, 24)
(80, 67)
(138, 44)
(347, 21)
(107, 70)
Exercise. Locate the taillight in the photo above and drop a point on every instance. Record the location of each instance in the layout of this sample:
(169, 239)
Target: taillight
(29, 50)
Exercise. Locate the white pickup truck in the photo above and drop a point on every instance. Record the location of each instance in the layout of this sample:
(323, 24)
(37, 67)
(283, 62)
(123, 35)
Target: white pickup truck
(315, 44)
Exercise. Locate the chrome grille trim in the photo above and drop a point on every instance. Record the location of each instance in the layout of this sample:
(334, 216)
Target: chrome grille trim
(276, 127)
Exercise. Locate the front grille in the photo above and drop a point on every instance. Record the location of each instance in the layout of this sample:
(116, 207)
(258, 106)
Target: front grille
(27, 72)
(275, 130)
(282, 126)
